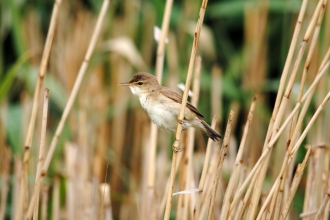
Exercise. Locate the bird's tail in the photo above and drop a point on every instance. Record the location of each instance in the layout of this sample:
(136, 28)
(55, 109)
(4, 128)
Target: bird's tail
(215, 136)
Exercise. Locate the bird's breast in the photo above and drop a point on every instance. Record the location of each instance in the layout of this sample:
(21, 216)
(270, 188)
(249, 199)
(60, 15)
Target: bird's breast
(162, 111)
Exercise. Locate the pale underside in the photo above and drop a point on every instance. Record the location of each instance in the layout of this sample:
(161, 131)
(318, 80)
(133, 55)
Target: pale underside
(164, 112)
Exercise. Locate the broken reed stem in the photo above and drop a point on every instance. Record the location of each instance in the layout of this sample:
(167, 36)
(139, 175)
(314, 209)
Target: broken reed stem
(204, 172)
(222, 157)
(294, 186)
(41, 148)
(69, 104)
(29, 136)
(176, 147)
(237, 167)
(159, 73)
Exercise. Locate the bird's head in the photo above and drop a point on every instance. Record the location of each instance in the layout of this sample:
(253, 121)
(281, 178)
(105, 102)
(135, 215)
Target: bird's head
(141, 83)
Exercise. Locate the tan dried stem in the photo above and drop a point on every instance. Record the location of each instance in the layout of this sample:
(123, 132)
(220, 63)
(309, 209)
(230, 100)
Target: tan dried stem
(223, 155)
(159, 73)
(69, 104)
(183, 106)
(191, 136)
(237, 167)
(42, 147)
(29, 136)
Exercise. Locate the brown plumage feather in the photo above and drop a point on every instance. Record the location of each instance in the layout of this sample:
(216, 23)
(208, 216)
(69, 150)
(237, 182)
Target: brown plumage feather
(169, 93)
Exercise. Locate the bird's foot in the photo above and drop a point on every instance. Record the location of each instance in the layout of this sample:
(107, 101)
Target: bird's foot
(176, 147)
(180, 121)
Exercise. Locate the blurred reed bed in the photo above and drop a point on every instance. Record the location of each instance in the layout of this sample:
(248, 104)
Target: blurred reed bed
(111, 163)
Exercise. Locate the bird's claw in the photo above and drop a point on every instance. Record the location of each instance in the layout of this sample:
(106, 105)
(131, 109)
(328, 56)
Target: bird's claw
(177, 149)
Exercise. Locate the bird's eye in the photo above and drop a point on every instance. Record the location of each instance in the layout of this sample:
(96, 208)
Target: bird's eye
(140, 83)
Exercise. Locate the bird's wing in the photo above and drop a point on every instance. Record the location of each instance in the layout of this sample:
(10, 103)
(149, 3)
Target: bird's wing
(169, 93)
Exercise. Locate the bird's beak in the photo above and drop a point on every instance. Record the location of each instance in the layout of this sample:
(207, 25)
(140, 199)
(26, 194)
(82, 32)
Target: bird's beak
(125, 84)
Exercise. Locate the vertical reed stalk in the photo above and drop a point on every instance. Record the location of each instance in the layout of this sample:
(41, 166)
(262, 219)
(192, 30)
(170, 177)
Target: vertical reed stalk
(190, 143)
(176, 147)
(154, 129)
(5, 179)
(222, 157)
(159, 73)
(44, 203)
(42, 147)
(41, 75)
(69, 105)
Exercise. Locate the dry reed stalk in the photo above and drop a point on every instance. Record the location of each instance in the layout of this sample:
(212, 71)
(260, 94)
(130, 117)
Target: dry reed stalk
(16, 185)
(56, 199)
(233, 182)
(223, 155)
(159, 73)
(216, 94)
(119, 121)
(325, 178)
(188, 165)
(69, 105)
(5, 177)
(295, 182)
(201, 187)
(44, 202)
(41, 147)
(175, 146)
(29, 136)
(279, 116)
(70, 156)
(106, 201)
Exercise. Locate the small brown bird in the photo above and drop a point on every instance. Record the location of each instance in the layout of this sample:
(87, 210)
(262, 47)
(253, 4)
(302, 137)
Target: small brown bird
(163, 105)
